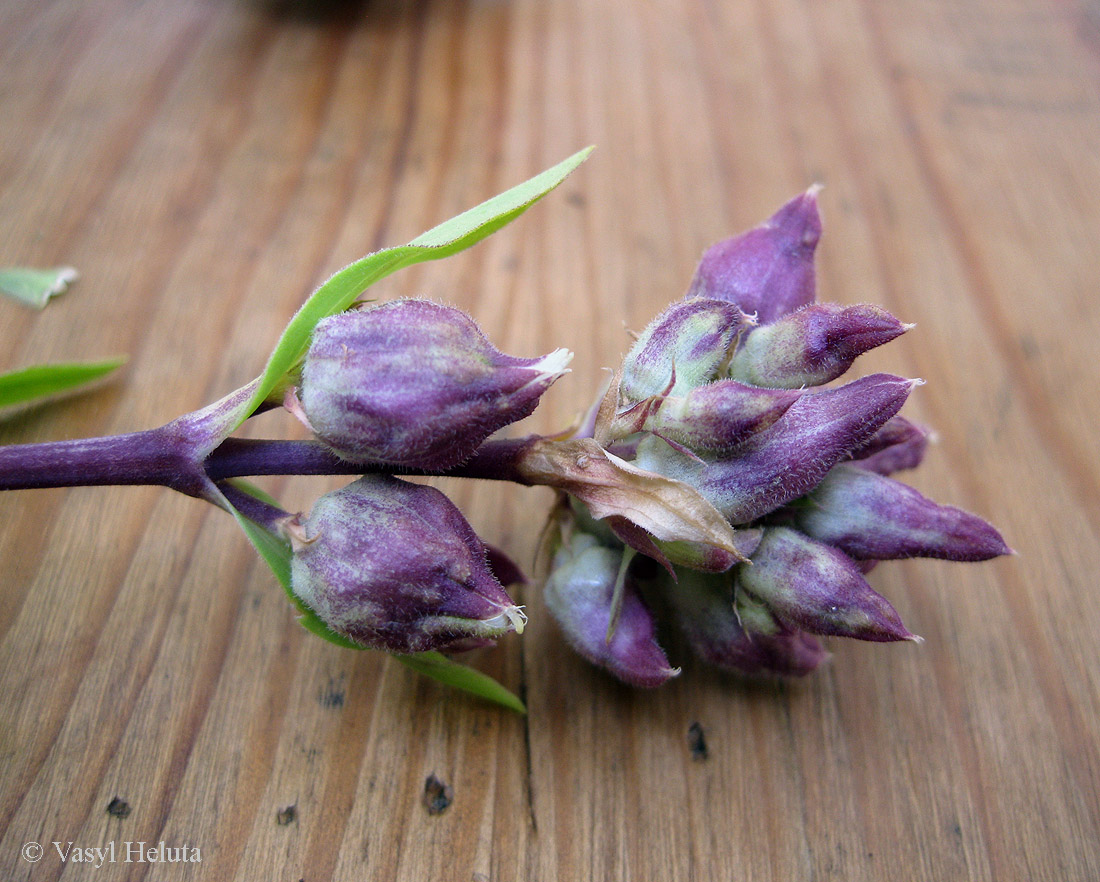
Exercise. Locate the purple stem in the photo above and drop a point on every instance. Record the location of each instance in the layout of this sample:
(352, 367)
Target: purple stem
(154, 456)
(256, 510)
(239, 457)
(158, 457)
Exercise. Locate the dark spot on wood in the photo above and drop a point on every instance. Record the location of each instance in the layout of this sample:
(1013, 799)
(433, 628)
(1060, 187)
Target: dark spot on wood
(287, 815)
(332, 694)
(697, 742)
(118, 808)
(1029, 346)
(437, 795)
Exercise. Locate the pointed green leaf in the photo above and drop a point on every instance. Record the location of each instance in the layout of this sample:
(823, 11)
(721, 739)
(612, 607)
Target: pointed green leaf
(347, 285)
(44, 381)
(451, 673)
(35, 287)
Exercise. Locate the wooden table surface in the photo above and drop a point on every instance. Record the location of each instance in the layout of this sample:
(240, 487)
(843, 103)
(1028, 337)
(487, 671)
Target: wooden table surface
(206, 163)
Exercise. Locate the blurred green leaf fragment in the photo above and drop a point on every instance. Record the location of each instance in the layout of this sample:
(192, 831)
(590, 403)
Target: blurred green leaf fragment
(459, 676)
(44, 381)
(34, 287)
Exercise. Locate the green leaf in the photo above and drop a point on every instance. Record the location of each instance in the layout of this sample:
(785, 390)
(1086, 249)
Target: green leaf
(276, 552)
(47, 380)
(451, 673)
(35, 287)
(450, 237)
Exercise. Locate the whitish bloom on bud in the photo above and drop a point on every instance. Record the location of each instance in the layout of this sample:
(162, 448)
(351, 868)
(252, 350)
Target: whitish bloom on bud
(742, 636)
(768, 271)
(415, 384)
(867, 515)
(719, 415)
(395, 566)
(812, 345)
(681, 348)
(787, 459)
(816, 588)
(580, 593)
(897, 446)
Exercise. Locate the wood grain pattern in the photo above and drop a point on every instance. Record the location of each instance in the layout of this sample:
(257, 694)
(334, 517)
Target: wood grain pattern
(206, 163)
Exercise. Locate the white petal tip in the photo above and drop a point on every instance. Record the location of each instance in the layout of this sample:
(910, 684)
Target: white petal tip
(517, 617)
(554, 364)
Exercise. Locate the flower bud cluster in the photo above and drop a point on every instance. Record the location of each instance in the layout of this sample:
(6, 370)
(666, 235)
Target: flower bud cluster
(386, 563)
(725, 393)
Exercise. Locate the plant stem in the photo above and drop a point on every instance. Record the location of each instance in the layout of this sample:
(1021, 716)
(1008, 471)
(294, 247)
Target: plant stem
(240, 457)
(159, 457)
(256, 510)
(154, 456)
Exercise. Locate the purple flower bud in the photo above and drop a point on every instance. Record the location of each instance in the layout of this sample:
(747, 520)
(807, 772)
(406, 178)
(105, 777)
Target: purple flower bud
(787, 459)
(812, 345)
(415, 384)
(720, 415)
(579, 594)
(769, 270)
(897, 446)
(814, 587)
(744, 637)
(867, 515)
(680, 349)
(395, 566)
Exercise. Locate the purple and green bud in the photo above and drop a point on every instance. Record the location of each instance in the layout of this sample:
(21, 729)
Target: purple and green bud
(682, 348)
(708, 558)
(695, 555)
(743, 637)
(789, 458)
(869, 516)
(719, 415)
(897, 446)
(580, 593)
(395, 566)
(768, 271)
(813, 345)
(815, 588)
(415, 384)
